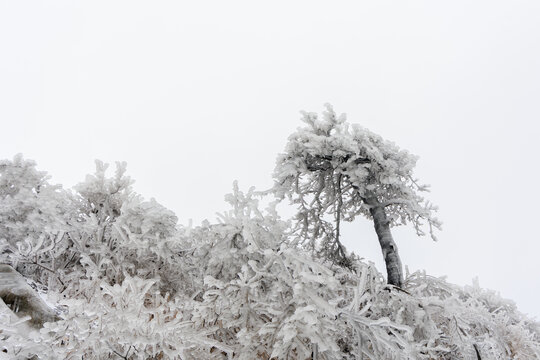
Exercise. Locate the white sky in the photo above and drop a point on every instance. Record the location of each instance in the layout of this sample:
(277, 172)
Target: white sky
(195, 96)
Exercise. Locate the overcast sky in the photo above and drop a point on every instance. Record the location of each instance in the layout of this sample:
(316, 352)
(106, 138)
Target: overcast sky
(196, 96)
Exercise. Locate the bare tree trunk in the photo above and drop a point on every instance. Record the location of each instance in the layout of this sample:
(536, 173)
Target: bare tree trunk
(388, 246)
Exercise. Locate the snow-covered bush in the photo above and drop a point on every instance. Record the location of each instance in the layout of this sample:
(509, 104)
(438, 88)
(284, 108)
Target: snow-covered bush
(35, 218)
(271, 301)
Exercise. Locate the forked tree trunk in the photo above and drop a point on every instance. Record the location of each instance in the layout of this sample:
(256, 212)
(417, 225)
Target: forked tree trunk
(388, 246)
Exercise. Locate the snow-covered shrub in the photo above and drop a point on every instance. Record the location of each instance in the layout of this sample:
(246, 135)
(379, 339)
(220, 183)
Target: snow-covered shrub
(277, 306)
(131, 320)
(472, 320)
(35, 218)
(120, 234)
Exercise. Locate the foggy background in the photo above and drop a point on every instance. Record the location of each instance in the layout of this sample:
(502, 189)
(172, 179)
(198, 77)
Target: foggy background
(196, 96)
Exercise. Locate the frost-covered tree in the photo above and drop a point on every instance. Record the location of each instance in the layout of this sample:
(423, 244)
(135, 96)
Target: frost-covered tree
(120, 234)
(335, 172)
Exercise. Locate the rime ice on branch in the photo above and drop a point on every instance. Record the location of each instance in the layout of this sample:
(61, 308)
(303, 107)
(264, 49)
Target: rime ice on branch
(334, 171)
